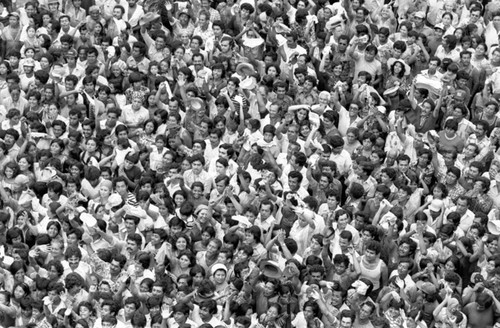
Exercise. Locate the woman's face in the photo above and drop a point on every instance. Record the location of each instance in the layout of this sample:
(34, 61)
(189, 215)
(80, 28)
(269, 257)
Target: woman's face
(375, 159)
(219, 276)
(3, 69)
(493, 246)
(52, 231)
(398, 68)
(305, 130)
(91, 146)
(144, 288)
(315, 245)
(212, 248)
(84, 312)
(271, 71)
(272, 313)
(181, 244)
(179, 199)
(9, 173)
(385, 12)
(23, 164)
(489, 110)
(180, 317)
(231, 87)
(184, 262)
(437, 193)
(337, 70)
(19, 275)
(30, 53)
(403, 30)
(179, 53)
(46, 20)
(449, 266)
(19, 292)
(164, 67)
(203, 216)
(302, 114)
(149, 128)
(459, 33)
(446, 20)
(55, 149)
(44, 63)
(104, 191)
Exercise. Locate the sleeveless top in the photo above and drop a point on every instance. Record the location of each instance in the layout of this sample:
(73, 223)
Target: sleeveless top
(371, 274)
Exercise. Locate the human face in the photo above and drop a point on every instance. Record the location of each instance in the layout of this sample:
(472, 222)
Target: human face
(451, 178)
(23, 164)
(462, 206)
(343, 220)
(197, 167)
(403, 166)
(180, 317)
(73, 262)
(398, 68)
(364, 312)
(305, 130)
(404, 250)
(219, 276)
(370, 56)
(346, 322)
(293, 183)
(212, 248)
(433, 66)
(205, 314)
(181, 244)
(446, 21)
(449, 266)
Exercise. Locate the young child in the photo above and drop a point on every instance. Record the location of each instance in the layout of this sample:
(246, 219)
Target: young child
(152, 74)
(30, 40)
(269, 141)
(157, 152)
(251, 135)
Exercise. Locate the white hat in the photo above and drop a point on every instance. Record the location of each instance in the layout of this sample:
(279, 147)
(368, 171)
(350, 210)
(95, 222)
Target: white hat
(436, 205)
(88, 220)
(248, 84)
(419, 14)
(271, 269)
(243, 221)
(253, 42)
(494, 227)
(113, 201)
(138, 212)
(392, 61)
(217, 267)
(333, 22)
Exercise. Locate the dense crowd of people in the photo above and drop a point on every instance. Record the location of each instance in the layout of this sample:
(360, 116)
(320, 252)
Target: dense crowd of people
(251, 164)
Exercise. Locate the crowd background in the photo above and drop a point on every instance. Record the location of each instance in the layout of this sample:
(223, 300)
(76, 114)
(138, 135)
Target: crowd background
(251, 164)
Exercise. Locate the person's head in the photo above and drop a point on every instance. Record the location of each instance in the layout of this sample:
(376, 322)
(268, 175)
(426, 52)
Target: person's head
(370, 52)
(347, 318)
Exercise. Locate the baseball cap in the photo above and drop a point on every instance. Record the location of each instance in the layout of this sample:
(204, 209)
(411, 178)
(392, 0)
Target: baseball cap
(427, 287)
(71, 53)
(419, 14)
(436, 205)
(439, 26)
(29, 62)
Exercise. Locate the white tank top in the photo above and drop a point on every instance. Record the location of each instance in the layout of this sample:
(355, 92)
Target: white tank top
(371, 274)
